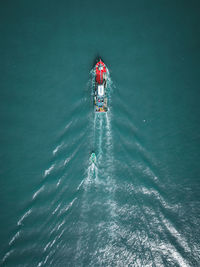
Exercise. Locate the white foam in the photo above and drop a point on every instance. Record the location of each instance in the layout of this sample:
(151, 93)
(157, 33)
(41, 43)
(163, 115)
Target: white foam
(168, 249)
(79, 186)
(71, 157)
(7, 255)
(46, 259)
(56, 209)
(61, 233)
(48, 171)
(153, 192)
(108, 131)
(52, 243)
(182, 242)
(100, 138)
(14, 237)
(58, 183)
(47, 245)
(23, 217)
(60, 225)
(68, 125)
(38, 191)
(67, 160)
(68, 206)
(92, 176)
(57, 148)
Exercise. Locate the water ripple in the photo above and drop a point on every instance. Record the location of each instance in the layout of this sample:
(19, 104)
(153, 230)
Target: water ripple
(23, 217)
(38, 192)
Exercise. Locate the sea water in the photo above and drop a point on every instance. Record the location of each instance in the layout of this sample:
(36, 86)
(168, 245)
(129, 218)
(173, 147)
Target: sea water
(139, 204)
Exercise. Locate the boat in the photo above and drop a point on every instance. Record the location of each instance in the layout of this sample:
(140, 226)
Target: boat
(100, 94)
(93, 158)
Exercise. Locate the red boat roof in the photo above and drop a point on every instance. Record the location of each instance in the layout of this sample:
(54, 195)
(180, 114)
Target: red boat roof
(100, 70)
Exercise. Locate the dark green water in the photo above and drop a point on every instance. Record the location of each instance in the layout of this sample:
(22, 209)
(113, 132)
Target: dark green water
(140, 205)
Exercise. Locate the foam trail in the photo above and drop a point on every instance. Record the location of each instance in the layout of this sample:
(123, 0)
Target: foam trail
(68, 159)
(68, 125)
(92, 175)
(38, 191)
(109, 145)
(58, 183)
(7, 255)
(46, 259)
(23, 217)
(56, 149)
(14, 237)
(95, 119)
(48, 171)
(60, 225)
(68, 206)
(100, 138)
(79, 186)
(47, 245)
(168, 249)
(108, 130)
(99, 177)
(182, 242)
(56, 208)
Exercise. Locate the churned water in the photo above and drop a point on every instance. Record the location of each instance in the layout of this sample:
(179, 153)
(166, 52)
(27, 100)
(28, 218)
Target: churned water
(139, 205)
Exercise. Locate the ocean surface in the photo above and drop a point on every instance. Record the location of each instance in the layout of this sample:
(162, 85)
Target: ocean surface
(140, 204)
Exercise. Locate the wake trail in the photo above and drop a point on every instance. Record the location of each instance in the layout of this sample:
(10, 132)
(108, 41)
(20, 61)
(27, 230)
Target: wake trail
(92, 176)
(98, 198)
(98, 135)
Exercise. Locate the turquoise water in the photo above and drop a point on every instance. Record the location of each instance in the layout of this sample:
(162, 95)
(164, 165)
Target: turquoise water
(139, 205)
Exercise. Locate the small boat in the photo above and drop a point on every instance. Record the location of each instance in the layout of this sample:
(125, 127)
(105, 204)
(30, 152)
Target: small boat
(100, 94)
(93, 158)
